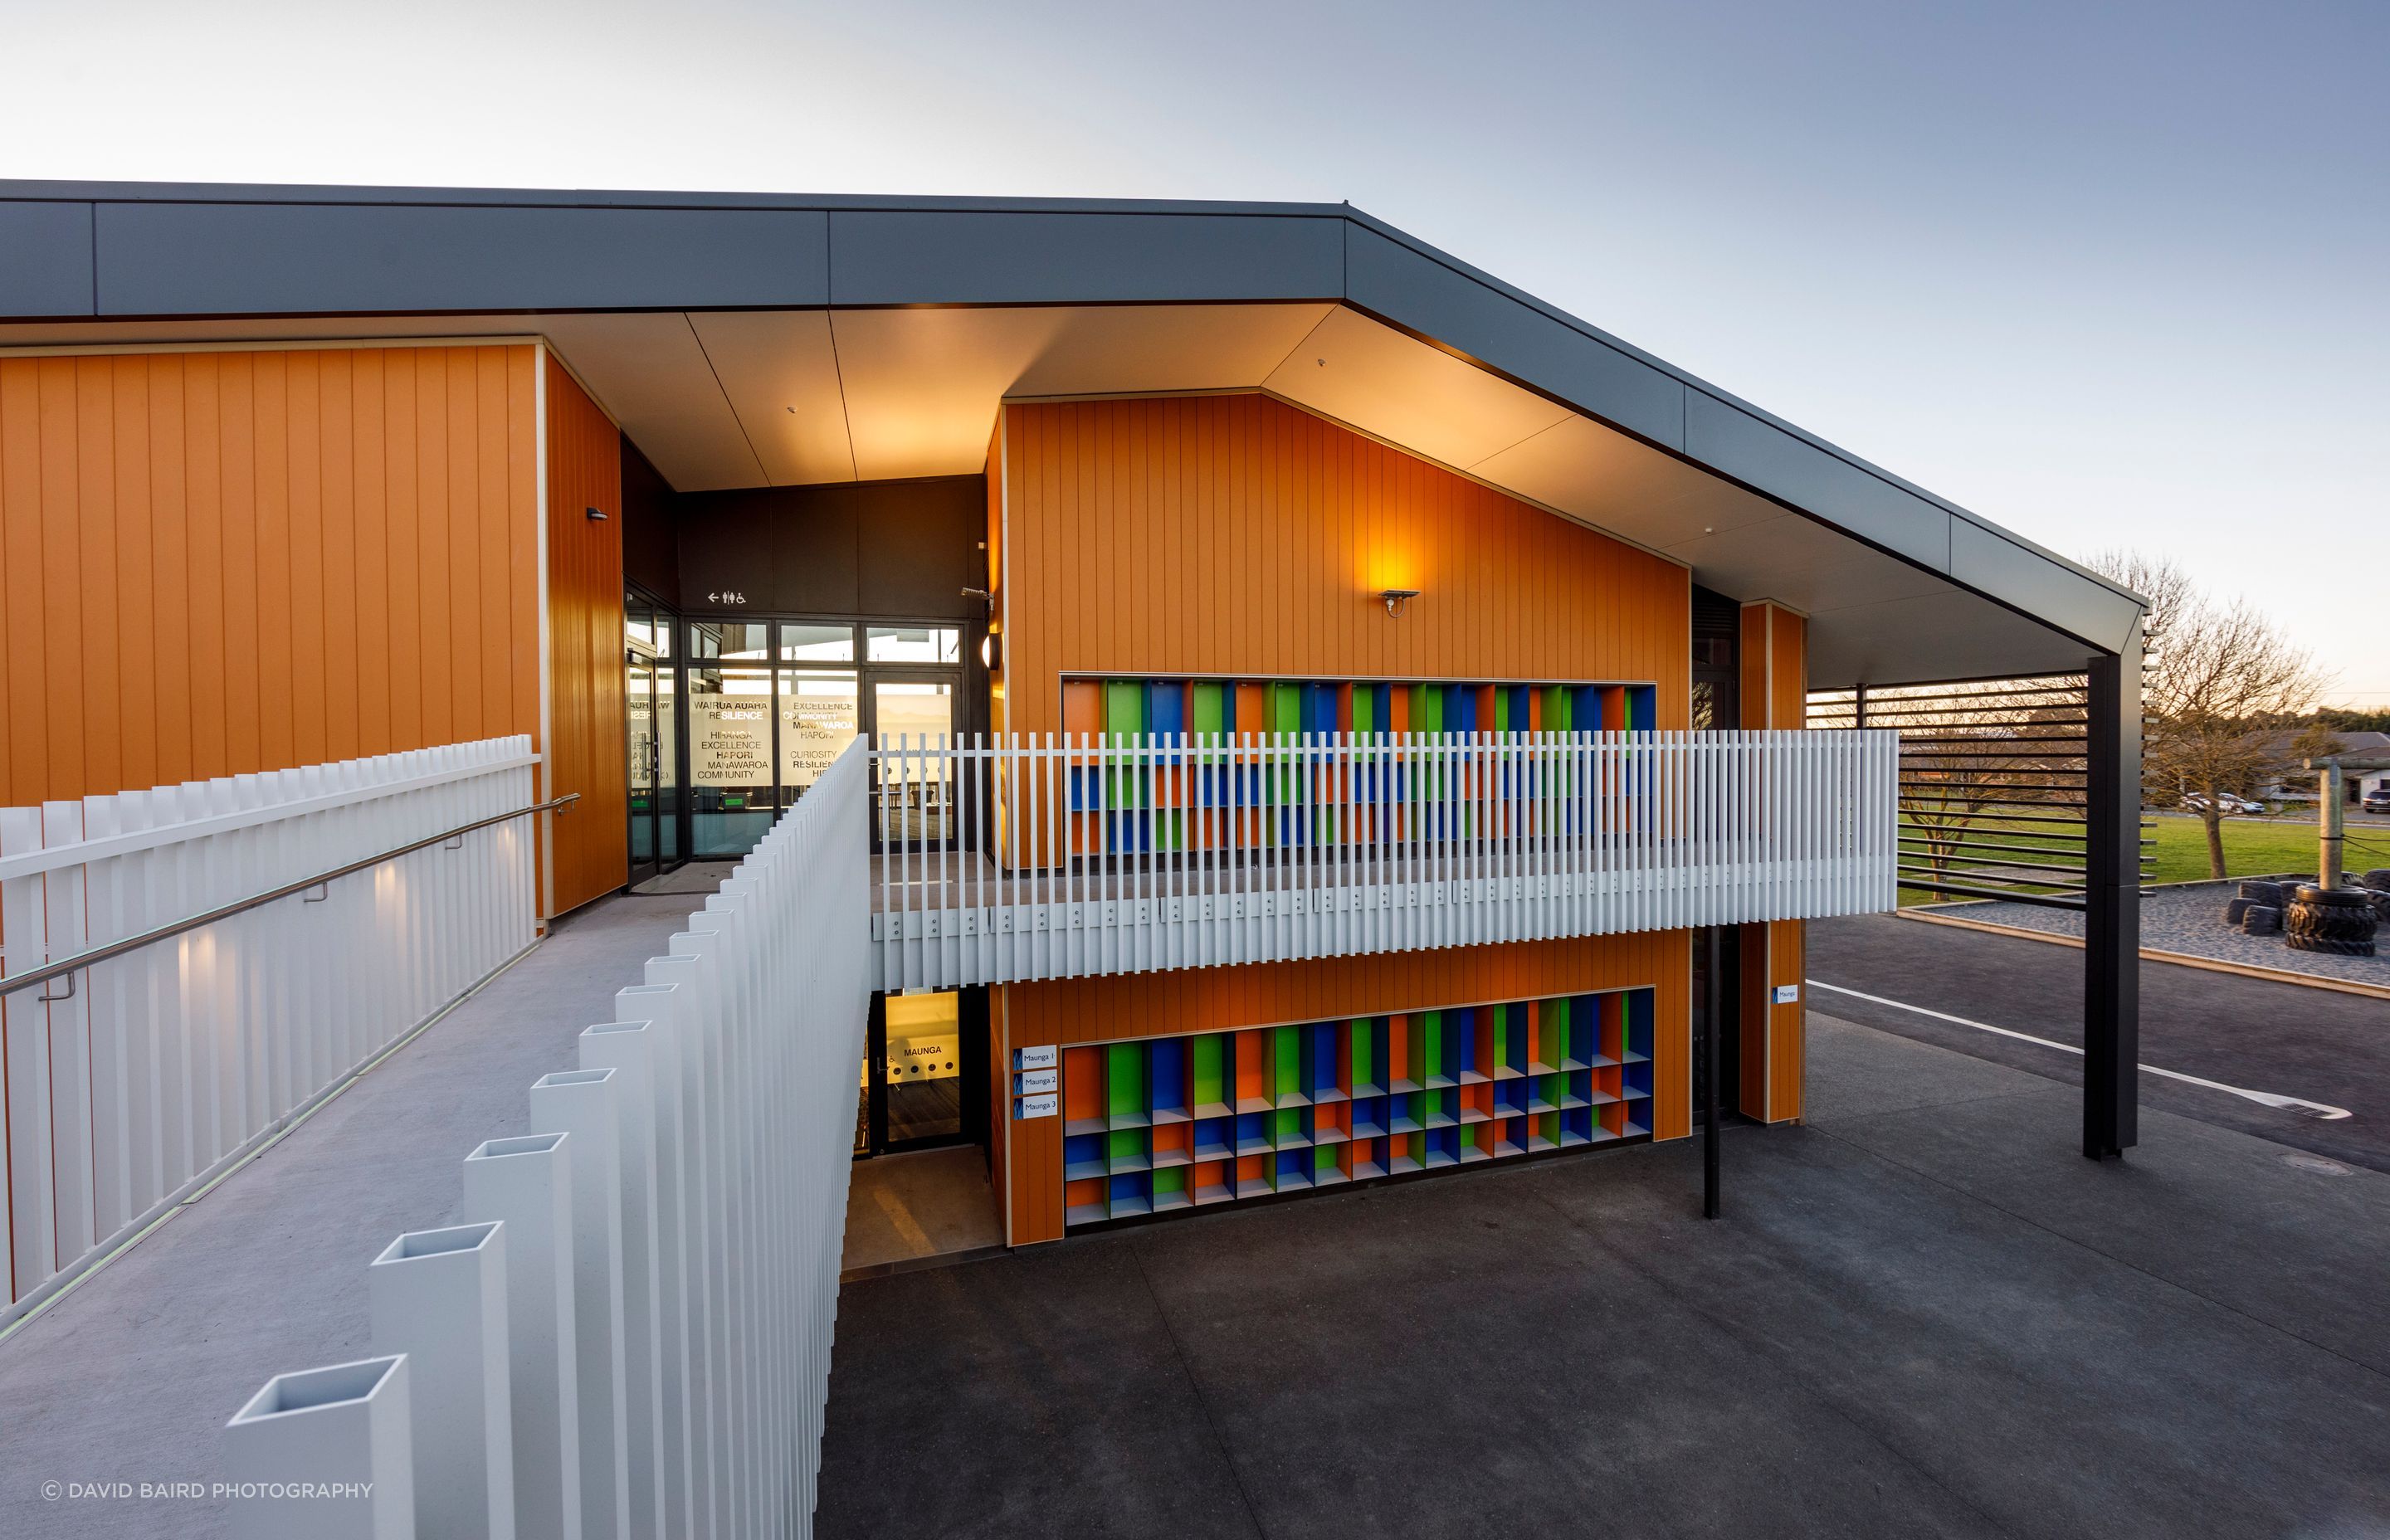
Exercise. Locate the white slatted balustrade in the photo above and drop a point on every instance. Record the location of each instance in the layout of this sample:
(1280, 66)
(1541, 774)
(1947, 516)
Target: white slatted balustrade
(1040, 858)
(630, 1336)
(135, 1082)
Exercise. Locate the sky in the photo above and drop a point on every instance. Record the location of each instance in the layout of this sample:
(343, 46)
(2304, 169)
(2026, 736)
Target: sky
(2113, 276)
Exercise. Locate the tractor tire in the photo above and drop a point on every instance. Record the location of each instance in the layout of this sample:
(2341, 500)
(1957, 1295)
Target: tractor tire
(2235, 908)
(2328, 919)
(2379, 878)
(2263, 919)
(2269, 894)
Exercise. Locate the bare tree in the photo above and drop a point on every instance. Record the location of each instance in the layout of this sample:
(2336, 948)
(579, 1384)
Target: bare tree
(2223, 681)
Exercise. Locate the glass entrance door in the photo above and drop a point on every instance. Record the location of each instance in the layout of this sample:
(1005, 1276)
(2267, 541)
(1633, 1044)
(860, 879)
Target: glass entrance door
(914, 721)
(651, 738)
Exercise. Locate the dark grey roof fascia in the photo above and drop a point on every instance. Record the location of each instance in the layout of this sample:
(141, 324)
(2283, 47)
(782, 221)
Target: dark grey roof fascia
(158, 249)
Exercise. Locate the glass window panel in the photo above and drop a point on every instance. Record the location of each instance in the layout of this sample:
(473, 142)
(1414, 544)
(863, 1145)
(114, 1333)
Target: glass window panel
(915, 644)
(816, 644)
(918, 790)
(729, 759)
(820, 714)
(924, 1067)
(730, 640)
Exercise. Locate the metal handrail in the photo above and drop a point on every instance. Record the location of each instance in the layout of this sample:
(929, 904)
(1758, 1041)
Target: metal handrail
(67, 966)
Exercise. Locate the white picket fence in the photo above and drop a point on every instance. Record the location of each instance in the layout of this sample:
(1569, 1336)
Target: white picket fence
(135, 1082)
(1035, 859)
(631, 1337)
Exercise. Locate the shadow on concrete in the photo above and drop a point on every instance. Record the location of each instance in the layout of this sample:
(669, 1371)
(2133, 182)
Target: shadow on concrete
(1922, 1314)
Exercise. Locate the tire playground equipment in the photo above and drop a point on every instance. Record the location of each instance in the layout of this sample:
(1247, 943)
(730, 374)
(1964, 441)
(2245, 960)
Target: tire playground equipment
(2336, 921)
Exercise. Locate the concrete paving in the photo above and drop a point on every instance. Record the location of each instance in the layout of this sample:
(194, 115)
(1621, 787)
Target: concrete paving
(905, 1210)
(2284, 1038)
(129, 1377)
(1922, 1314)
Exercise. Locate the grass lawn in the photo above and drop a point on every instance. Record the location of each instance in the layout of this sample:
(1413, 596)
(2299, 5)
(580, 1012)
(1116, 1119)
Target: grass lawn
(2251, 847)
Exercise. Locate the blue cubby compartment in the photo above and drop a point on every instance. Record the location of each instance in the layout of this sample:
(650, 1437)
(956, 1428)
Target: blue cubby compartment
(1167, 1080)
(1461, 1047)
(1510, 1097)
(1545, 1092)
(1165, 712)
(1323, 1062)
(1442, 1147)
(1320, 710)
(1637, 1082)
(1368, 1117)
(1577, 1126)
(1132, 1195)
(1214, 1140)
(1083, 1157)
(1254, 1132)
(1584, 709)
(1642, 708)
(1403, 1113)
(1290, 1170)
(1461, 708)
(1638, 1028)
(1577, 1090)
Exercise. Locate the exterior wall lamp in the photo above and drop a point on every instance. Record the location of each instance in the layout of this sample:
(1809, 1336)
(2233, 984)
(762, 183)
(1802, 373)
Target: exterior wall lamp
(1397, 597)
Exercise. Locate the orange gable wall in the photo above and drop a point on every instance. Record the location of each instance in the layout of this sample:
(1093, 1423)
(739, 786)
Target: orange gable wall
(1212, 999)
(1239, 535)
(220, 562)
(587, 747)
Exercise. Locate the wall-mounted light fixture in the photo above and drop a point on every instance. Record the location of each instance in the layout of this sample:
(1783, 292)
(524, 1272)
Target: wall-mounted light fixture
(597, 514)
(991, 651)
(1395, 598)
(986, 599)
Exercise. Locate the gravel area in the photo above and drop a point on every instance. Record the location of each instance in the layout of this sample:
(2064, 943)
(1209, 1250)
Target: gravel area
(2189, 918)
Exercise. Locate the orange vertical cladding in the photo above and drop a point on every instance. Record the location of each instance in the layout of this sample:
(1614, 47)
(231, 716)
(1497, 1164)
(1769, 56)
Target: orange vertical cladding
(1775, 694)
(1239, 535)
(223, 562)
(1072, 1012)
(587, 746)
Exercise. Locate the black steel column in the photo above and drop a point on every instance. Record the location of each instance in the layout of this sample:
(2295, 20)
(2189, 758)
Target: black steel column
(1712, 1018)
(2112, 1009)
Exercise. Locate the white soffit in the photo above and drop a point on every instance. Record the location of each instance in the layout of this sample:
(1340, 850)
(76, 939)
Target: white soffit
(922, 385)
(780, 375)
(652, 375)
(1400, 390)
(1605, 478)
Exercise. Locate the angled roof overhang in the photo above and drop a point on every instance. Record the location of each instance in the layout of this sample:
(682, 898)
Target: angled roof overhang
(746, 341)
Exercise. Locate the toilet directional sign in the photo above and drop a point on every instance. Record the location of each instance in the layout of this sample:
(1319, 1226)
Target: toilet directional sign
(1037, 1082)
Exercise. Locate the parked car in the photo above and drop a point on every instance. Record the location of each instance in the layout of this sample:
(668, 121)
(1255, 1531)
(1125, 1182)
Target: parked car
(2225, 800)
(2378, 799)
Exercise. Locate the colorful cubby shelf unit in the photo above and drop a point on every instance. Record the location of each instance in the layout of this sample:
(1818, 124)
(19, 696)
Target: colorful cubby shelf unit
(1123, 709)
(1172, 1122)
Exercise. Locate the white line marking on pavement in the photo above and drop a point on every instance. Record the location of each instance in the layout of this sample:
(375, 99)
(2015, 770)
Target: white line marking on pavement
(2315, 1109)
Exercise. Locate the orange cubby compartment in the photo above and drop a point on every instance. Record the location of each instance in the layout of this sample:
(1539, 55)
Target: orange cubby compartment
(1170, 1143)
(1331, 1119)
(1398, 1054)
(1613, 1118)
(1209, 1180)
(1476, 1101)
(1084, 1201)
(1083, 1091)
(1607, 1080)
(1253, 1061)
(1543, 1058)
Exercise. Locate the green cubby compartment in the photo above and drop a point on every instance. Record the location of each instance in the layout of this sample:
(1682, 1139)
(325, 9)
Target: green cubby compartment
(1129, 1150)
(1476, 1142)
(1171, 1189)
(1543, 1130)
(1429, 1046)
(1328, 1166)
(1290, 1128)
(1211, 1078)
(1547, 1092)
(1289, 1051)
(1439, 1109)
(1368, 1037)
(1124, 1081)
